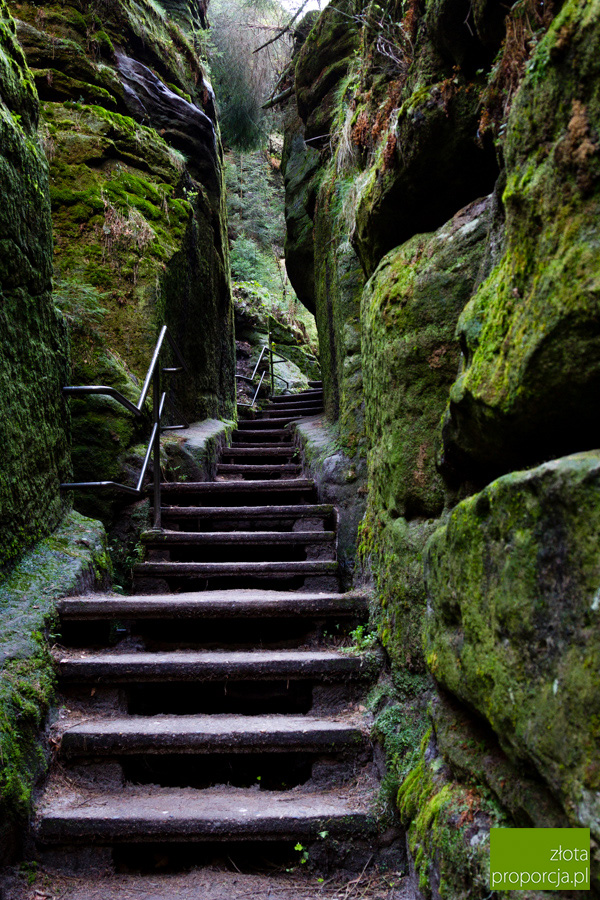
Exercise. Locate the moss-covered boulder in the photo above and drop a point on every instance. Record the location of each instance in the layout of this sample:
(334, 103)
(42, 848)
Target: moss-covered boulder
(514, 630)
(531, 335)
(72, 560)
(409, 312)
(33, 341)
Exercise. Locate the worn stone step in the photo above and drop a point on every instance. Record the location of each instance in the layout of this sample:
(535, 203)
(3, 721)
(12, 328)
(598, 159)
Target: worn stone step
(219, 538)
(118, 667)
(231, 487)
(207, 734)
(261, 450)
(228, 604)
(276, 412)
(259, 446)
(258, 469)
(237, 569)
(293, 398)
(284, 435)
(260, 425)
(296, 511)
(183, 814)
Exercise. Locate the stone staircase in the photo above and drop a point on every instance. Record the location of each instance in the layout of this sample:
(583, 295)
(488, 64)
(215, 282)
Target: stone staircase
(211, 707)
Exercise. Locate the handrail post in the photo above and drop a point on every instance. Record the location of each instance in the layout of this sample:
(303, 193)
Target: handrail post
(271, 364)
(156, 449)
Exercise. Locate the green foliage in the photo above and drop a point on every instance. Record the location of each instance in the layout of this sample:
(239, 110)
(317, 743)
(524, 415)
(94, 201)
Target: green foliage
(255, 202)
(79, 303)
(250, 263)
(363, 638)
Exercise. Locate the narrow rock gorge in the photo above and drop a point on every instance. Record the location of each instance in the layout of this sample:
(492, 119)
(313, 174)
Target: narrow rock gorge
(430, 476)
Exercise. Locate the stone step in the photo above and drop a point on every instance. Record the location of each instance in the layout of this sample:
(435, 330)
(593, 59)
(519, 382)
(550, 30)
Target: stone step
(285, 447)
(229, 604)
(182, 814)
(251, 451)
(261, 425)
(207, 734)
(258, 469)
(118, 667)
(219, 538)
(263, 433)
(290, 412)
(187, 488)
(293, 398)
(305, 568)
(297, 511)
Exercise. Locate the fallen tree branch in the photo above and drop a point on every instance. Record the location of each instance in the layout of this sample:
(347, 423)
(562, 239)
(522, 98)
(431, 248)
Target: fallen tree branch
(283, 30)
(278, 99)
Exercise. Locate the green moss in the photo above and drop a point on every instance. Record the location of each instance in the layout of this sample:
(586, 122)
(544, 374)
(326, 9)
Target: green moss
(531, 332)
(33, 345)
(448, 828)
(68, 560)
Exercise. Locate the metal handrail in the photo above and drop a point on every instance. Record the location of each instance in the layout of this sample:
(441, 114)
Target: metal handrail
(273, 361)
(153, 449)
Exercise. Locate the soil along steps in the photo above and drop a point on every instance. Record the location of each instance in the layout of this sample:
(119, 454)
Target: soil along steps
(233, 670)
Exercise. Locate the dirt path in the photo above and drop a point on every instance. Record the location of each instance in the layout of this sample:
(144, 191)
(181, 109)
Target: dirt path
(209, 884)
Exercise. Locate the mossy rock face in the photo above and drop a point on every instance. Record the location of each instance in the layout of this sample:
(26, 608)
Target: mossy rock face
(410, 356)
(139, 232)
(300, 166)
(474, 755)
(64, 72)
(192, 14)
(338, 288)
(394, 550)
(532, 333)
(513, 632)
(437, 167)
(33, 341)
(322, 62)
(409, 312)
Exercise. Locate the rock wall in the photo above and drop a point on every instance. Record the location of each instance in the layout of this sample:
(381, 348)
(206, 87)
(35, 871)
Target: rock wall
(442, 222)
(33, 340)
(129, 129)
